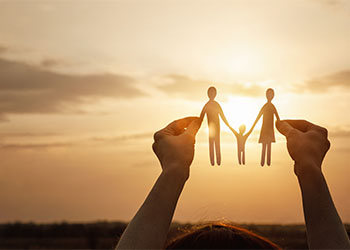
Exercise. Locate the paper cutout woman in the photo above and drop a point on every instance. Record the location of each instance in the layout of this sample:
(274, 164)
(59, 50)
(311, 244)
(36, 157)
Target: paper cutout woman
(213, 109)
(241, 140)
(267, 133)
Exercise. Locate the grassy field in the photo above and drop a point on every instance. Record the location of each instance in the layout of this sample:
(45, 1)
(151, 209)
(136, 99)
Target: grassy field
(104, 235)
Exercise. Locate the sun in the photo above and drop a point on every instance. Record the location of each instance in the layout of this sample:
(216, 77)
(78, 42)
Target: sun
(241, 110)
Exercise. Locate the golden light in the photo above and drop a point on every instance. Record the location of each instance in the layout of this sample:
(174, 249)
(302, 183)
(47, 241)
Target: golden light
(241, 110)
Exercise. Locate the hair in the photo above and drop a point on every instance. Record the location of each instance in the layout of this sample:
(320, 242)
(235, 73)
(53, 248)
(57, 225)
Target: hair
(220, 235)
(212, 92)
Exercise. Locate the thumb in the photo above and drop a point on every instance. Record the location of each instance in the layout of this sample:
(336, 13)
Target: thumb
(283, 127)
(193, 128)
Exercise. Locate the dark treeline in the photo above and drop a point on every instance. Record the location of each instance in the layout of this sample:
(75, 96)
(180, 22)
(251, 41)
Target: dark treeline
(105, 235)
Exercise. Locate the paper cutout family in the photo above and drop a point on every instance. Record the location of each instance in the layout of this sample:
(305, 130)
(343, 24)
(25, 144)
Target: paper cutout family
(214, 111)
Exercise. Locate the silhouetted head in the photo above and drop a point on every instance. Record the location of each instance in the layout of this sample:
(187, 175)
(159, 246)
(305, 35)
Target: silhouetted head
(211, 93)
(242, 128)
(270, 94)
(220, 236)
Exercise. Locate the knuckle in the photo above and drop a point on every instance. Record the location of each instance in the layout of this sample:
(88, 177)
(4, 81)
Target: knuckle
(324, 131)
(154, 147)
(157, 135)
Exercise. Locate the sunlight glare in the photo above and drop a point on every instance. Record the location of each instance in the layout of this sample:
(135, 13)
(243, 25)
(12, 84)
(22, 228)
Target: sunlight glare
(241, 110)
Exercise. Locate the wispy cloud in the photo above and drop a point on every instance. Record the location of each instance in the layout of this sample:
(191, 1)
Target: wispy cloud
(328, 2)
(338, 80)
(3, 49)
(340, 132)
(37, 146)
(47, 141)
(51, 62)
(187, 87)
(26, 134)
(122, 138)
(26, 88)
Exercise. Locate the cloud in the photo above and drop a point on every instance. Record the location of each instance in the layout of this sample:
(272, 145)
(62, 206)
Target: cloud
(340, 132)
(50, 62)
(39, 146)
(26, 88)
(27, 134)
(328, 2)
(17, 144)
(122, 138)
(184, 86)
(340, 79)
(3, 49)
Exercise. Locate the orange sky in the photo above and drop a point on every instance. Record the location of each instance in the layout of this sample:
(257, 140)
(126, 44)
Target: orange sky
(84, 85)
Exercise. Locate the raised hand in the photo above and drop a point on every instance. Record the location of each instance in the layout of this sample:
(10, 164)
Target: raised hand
(307, 143)
(174, 147)
(174, 144)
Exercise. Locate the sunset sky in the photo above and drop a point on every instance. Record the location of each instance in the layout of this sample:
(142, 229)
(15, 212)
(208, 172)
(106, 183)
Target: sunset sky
(85, 84)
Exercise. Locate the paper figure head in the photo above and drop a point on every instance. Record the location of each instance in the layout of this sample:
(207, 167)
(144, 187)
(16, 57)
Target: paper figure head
(270, 94)
(211, 93)
(242, 129)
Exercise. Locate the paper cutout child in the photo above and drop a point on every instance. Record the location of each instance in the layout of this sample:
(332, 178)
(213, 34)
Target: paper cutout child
(241, 140)
(213, 109)
(267, 133)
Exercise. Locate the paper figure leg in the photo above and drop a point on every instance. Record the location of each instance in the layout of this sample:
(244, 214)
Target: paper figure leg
(211, 151)
(263, 152)
(217, 149)
(239, 157)
(243, 158)
(268, 160)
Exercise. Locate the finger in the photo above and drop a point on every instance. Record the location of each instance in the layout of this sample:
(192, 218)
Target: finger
(177, 127)
(305, 126)
(283, 127)
(158, 135)
(154, 147)
(193, 127)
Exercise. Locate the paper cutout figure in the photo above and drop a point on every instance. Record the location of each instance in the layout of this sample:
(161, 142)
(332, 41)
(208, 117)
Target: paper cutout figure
(267, 133)
(241, 140)
(213, 109)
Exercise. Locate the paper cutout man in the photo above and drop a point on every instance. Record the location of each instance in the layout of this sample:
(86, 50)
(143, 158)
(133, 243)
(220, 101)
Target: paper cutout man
(213, 109)
(241, 140)
(267, 133)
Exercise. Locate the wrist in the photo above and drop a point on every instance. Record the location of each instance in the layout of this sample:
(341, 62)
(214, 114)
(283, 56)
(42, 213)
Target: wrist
(177, 174)
(307, 170)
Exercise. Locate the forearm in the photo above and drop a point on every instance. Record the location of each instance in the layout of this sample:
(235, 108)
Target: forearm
(324, 226)
(150, 225)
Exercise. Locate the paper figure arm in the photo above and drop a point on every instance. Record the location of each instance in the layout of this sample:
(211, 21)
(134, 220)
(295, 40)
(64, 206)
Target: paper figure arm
(223, 117)
(250, 131)
(276, 113)
(233, 131)
(201, 117)
(257, 118)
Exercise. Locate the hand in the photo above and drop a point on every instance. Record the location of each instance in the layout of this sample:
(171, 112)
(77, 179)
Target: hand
(307, 144)
(174, 145)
